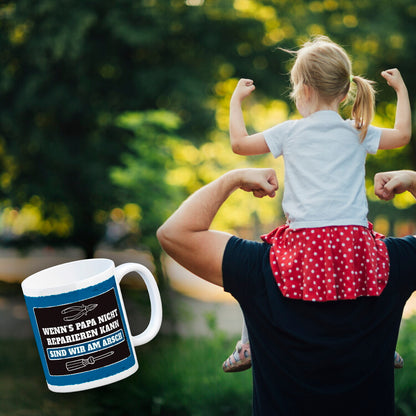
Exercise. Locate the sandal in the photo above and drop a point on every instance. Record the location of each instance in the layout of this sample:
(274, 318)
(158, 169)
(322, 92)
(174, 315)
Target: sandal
(398, 360)
(239, 360)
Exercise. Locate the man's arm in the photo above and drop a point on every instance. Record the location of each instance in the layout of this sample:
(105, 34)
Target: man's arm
(388, 184)
(186, 236)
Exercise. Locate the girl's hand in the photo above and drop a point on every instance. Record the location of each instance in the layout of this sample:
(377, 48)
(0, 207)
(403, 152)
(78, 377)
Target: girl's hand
(243, 89)
(393, 78)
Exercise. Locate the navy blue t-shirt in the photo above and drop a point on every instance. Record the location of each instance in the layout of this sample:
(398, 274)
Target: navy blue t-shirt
(323, 358)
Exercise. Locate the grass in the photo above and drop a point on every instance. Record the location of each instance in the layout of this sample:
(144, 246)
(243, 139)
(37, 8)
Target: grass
(406, 378)
(175, 377)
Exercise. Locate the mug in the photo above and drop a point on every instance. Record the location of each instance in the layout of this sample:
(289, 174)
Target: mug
(80, 324)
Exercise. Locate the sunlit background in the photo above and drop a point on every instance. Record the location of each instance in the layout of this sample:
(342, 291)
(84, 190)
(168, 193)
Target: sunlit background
(114, 111)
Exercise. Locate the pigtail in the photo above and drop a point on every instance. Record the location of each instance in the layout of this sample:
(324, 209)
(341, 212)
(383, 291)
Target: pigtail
(363, 108)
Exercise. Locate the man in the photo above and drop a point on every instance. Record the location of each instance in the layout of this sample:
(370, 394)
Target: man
(324, 358)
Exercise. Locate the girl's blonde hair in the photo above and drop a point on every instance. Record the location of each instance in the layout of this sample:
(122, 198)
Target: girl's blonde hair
(325, 66)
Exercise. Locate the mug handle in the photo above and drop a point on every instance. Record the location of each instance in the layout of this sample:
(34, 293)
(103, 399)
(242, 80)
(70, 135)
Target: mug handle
(155, 302)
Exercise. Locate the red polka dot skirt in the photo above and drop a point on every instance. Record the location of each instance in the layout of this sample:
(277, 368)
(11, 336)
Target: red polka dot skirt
(328, 263)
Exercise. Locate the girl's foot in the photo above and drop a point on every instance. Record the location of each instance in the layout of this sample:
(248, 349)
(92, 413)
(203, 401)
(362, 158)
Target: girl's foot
(398, 360)
(239, 360)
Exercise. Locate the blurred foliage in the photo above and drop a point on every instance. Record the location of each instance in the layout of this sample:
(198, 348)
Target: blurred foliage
(141, 177)
(404, 379)
(113, 111)
(171, 380)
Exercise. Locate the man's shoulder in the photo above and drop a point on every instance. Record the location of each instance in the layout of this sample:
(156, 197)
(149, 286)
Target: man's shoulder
(399, 244)
(244, 261)
(243, 248)
(402, 255)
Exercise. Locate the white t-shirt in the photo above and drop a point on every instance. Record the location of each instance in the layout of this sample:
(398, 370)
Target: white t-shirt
(324, 169)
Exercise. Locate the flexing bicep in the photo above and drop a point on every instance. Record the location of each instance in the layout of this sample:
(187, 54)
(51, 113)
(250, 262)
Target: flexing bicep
(393, 139)
(186, 235)
(201, 253)
(254, 144)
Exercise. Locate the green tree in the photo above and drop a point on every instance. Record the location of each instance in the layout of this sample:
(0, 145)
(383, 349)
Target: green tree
(69, 69)
(141, 178)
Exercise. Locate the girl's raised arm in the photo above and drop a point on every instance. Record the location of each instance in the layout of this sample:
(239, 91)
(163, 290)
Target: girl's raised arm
(241, 142)
(399, 135)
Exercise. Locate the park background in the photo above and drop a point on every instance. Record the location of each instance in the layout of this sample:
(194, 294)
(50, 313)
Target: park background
(112, 112)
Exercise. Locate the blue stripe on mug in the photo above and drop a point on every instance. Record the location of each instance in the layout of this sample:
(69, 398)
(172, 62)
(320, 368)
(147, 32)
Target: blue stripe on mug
(81, 335)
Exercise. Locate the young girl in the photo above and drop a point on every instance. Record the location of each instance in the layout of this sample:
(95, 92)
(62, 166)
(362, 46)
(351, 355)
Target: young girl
(327, 251)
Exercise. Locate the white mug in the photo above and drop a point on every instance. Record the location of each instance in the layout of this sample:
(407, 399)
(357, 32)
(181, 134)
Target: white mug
(80, 324)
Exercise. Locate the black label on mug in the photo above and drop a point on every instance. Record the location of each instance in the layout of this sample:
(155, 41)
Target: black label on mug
(82, 336)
